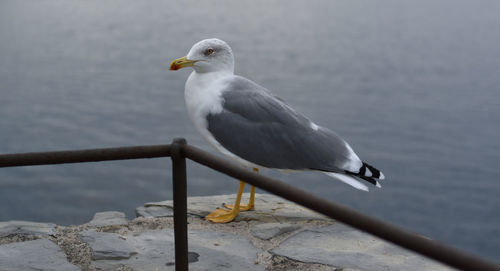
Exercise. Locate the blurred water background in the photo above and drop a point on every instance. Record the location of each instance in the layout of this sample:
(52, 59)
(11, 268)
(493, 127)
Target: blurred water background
(414, 86)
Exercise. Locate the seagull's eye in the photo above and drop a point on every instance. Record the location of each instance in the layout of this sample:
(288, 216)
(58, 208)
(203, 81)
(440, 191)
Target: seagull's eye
(209, 51)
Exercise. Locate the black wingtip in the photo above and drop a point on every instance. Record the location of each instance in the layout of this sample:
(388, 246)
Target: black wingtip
(375, 173)
(368, 173)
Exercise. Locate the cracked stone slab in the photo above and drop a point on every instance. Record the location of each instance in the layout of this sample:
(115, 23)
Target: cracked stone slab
(268, 208)
(41, 254)
(108, 219)
(154, 211)
(207, 251)
(267, 231)
(26, 227)
(107, 246)
(344, 247)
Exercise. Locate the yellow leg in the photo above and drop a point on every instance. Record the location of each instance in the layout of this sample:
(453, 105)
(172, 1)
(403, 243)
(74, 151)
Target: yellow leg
(251, 202)
(225, 216)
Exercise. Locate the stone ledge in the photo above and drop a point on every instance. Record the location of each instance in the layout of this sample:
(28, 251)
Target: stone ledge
(278, 235)
(109, 218)
(270, 208)
(26, 228)
(34, 255)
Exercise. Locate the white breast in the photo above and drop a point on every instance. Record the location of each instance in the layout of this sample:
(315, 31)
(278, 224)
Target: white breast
(203, 96)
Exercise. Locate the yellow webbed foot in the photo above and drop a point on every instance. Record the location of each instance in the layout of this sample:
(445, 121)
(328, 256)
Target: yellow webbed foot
(222, 216)
(243, 207)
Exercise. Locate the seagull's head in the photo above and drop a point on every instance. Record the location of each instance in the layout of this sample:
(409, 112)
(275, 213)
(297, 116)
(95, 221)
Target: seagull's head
(210, 55)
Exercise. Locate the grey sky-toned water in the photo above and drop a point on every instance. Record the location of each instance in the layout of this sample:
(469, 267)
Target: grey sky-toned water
(413, 86)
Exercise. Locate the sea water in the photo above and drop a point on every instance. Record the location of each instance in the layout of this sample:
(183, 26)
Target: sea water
(413, 86)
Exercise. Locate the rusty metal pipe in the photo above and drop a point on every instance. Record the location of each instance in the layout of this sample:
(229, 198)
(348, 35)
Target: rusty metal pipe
(396, 235)
(429, 248)
(80, 156)
(179, 191)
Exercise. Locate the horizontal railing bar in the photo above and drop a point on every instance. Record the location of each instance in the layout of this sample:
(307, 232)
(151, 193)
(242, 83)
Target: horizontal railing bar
(80, 156)
(396, 235)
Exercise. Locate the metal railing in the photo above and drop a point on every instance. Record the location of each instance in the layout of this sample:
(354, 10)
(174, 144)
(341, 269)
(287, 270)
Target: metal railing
(179, 150)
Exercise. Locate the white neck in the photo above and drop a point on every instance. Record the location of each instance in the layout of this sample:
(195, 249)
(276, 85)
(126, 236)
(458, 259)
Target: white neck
(202, 95)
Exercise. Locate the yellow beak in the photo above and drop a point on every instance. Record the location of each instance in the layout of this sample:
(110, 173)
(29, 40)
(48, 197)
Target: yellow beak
(181, 63)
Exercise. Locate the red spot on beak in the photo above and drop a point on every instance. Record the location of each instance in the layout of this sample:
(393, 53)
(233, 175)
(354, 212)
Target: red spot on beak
(174, 66)
(181, 63)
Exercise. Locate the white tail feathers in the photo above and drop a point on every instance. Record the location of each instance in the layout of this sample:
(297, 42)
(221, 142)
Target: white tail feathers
(348, 180)
(382, 176)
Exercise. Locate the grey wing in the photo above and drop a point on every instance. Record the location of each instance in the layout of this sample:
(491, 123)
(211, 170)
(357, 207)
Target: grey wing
(264, 130)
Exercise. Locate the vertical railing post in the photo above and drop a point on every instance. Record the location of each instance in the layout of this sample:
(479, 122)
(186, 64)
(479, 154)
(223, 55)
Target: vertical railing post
(180, 204)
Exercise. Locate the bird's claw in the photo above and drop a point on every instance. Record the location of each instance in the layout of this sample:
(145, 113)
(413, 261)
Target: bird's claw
(243, 207)
(222, 215)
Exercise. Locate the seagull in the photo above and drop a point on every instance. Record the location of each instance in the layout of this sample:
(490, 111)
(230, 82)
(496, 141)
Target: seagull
(248, 124)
